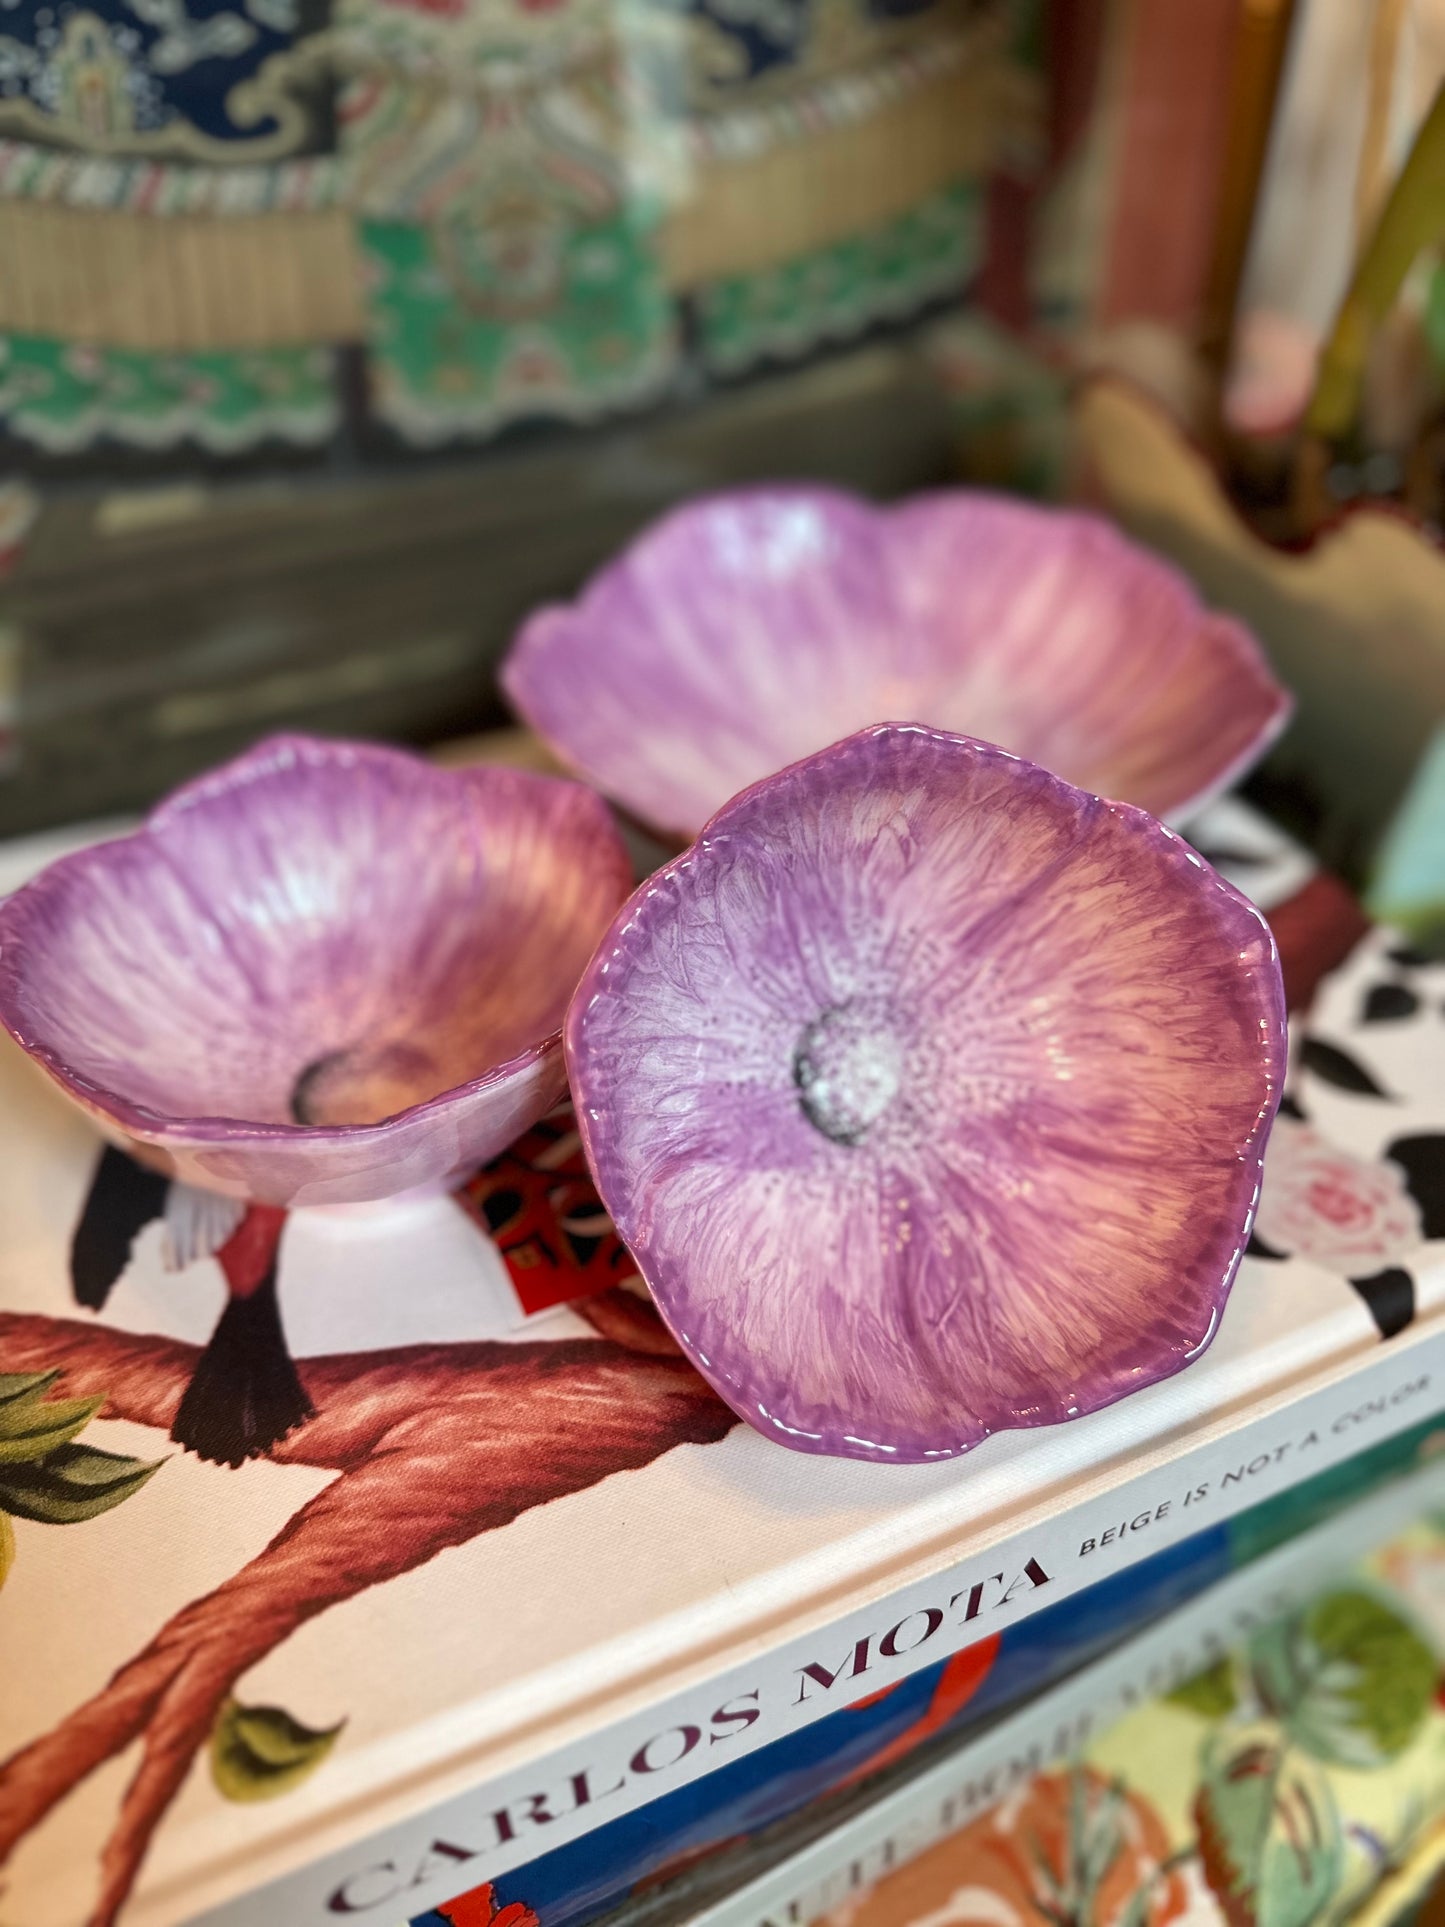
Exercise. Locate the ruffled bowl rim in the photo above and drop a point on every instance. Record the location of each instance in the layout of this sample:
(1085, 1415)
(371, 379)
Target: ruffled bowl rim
(1249, 1152)
(531, 638)
(153, 1126)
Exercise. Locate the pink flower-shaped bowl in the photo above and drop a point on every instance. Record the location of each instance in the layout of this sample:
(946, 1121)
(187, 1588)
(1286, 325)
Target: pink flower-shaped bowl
(744, 631)
(930, 1094)
(326, 973)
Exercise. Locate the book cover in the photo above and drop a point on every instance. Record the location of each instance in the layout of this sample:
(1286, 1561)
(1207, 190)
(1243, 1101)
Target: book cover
(1272, 1751)
(680, 1853)
(521, 1573)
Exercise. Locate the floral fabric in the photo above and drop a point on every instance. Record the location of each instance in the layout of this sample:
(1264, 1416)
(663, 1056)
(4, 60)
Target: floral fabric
(510, 209)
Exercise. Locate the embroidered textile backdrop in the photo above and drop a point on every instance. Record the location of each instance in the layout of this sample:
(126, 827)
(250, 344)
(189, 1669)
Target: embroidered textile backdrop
(513, 209)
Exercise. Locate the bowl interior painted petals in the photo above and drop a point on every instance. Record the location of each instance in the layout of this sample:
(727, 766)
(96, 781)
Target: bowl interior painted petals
(930, 1094)
(327, 972)
(744, 631)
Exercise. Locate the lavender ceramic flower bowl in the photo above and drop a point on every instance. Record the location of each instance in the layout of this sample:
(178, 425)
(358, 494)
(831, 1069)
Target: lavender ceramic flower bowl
(326, 973)
(930, 1094)
(744, 631)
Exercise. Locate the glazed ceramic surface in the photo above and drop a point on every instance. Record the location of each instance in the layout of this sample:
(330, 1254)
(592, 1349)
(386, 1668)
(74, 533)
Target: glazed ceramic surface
(326, 973)
(745, 631)
(930, 1094)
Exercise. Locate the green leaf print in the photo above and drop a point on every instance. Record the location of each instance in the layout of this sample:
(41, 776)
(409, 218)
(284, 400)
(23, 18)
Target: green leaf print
(1211, 1693)
(1349, 1679)
(1270, 1842)
(71, 1484)
(258, 1752)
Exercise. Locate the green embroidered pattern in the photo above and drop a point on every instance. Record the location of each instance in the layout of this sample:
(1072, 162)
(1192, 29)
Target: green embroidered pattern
(886, 274)
(453, 353)
(63, 396)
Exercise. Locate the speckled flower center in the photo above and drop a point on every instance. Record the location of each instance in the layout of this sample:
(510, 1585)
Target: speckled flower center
(367, 1083)
(847, 1066)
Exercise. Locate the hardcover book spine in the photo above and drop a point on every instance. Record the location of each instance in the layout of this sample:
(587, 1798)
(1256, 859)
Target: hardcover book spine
(1061, 1723)
(1056, 1552)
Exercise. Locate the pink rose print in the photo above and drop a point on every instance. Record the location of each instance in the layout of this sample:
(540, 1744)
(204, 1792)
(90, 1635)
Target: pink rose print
(1345, 1213)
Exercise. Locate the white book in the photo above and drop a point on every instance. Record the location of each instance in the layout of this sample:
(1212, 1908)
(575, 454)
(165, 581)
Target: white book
(520, 1576)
